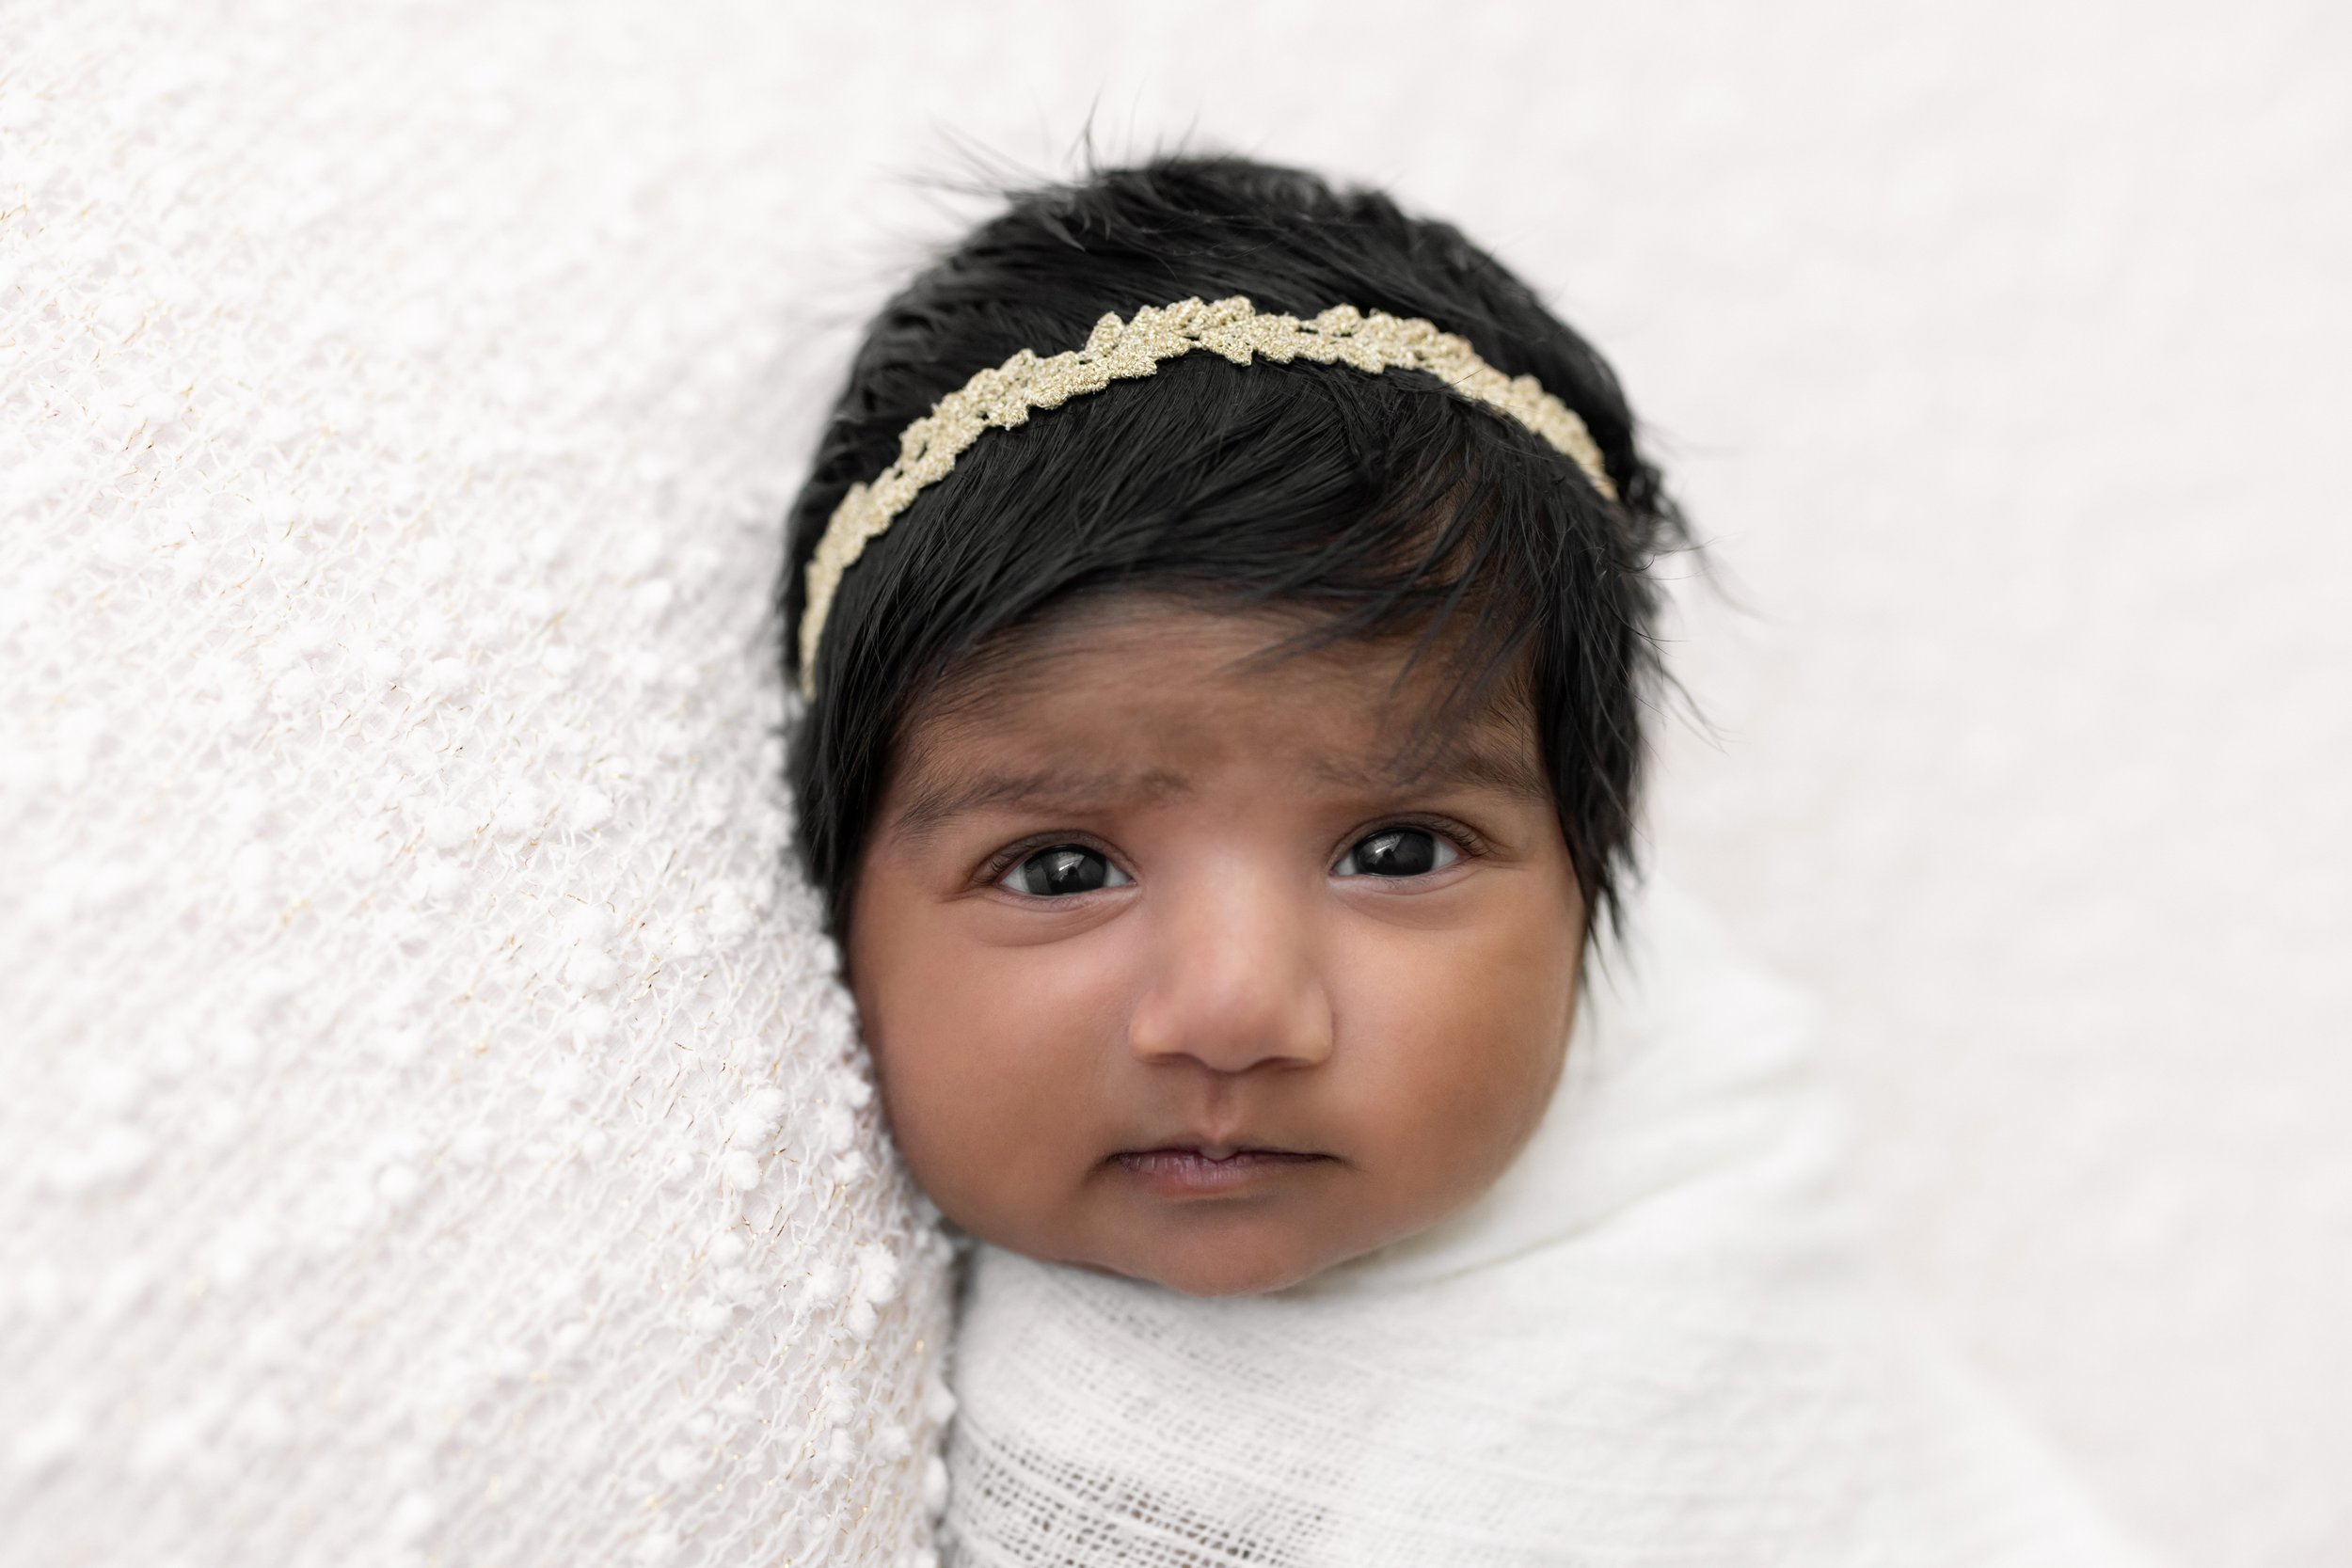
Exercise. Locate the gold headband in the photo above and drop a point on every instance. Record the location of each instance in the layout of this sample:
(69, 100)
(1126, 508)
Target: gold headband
(1123, 351)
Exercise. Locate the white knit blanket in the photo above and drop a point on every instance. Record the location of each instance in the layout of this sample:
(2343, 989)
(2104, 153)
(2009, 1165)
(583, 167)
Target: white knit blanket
(1656, 1341)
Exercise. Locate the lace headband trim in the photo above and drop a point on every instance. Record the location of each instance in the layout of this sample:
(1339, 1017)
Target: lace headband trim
(1120, 350)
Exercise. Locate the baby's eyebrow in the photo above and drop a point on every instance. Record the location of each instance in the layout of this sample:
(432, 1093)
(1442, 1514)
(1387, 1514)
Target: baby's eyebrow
(934, 798)
(1479, 764)
(933, 801)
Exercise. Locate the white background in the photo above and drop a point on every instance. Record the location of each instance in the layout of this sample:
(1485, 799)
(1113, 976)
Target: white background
(2000, 351)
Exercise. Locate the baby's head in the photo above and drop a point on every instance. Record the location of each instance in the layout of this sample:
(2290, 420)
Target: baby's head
(1215, 776)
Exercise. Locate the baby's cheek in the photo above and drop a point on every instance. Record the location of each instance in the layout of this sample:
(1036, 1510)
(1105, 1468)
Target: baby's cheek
(1458, 1053)
(984, 1068)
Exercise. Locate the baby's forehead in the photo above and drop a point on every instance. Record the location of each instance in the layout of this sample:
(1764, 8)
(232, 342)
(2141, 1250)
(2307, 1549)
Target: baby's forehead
(1146, 701)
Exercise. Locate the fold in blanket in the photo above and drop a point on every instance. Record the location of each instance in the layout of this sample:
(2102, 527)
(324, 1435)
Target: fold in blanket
(1657, 1340)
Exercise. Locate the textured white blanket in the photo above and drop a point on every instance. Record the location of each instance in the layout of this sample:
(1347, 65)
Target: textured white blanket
(431, 1132)
(1656, 1341)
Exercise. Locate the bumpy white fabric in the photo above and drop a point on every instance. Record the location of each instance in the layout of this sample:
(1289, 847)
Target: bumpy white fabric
(432, 1131)
(1654, 1342)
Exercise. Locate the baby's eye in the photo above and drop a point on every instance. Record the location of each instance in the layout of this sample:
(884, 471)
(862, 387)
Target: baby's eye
(1065, 869)
(1396, 852)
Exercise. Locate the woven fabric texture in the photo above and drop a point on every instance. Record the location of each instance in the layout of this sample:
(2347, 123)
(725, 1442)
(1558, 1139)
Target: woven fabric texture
(433, 1133)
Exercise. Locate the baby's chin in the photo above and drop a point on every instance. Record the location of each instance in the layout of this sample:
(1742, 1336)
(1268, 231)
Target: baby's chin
(1224, 1265)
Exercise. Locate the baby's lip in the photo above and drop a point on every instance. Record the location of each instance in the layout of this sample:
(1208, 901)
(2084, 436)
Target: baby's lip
(1196, 1170)
(1219, 1149)
(1213, 1145)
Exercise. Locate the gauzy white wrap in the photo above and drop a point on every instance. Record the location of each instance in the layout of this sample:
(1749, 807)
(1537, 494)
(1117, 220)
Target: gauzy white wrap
(1656, 1341)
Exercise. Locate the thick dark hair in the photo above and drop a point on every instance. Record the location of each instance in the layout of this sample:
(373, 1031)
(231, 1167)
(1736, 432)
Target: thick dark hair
(1379, 504)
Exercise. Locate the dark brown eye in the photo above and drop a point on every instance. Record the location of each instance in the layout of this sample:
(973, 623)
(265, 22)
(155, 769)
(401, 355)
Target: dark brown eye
(1396, 852)
(1062, 870)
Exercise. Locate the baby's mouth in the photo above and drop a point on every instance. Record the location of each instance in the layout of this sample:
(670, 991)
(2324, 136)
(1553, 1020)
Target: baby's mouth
(1189, 1172)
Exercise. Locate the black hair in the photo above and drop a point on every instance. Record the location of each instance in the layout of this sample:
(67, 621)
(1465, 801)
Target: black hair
(1379, 504)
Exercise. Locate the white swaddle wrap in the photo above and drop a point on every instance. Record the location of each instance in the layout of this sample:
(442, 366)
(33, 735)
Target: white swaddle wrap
(1656, 1341)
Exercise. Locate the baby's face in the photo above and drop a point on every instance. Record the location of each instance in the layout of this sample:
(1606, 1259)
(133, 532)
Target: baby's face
(1169, 969)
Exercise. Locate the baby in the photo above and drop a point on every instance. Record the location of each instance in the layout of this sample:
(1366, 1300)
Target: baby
(1222, 608)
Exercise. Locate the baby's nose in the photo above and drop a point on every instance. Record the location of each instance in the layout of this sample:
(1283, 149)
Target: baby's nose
(1236, 985)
